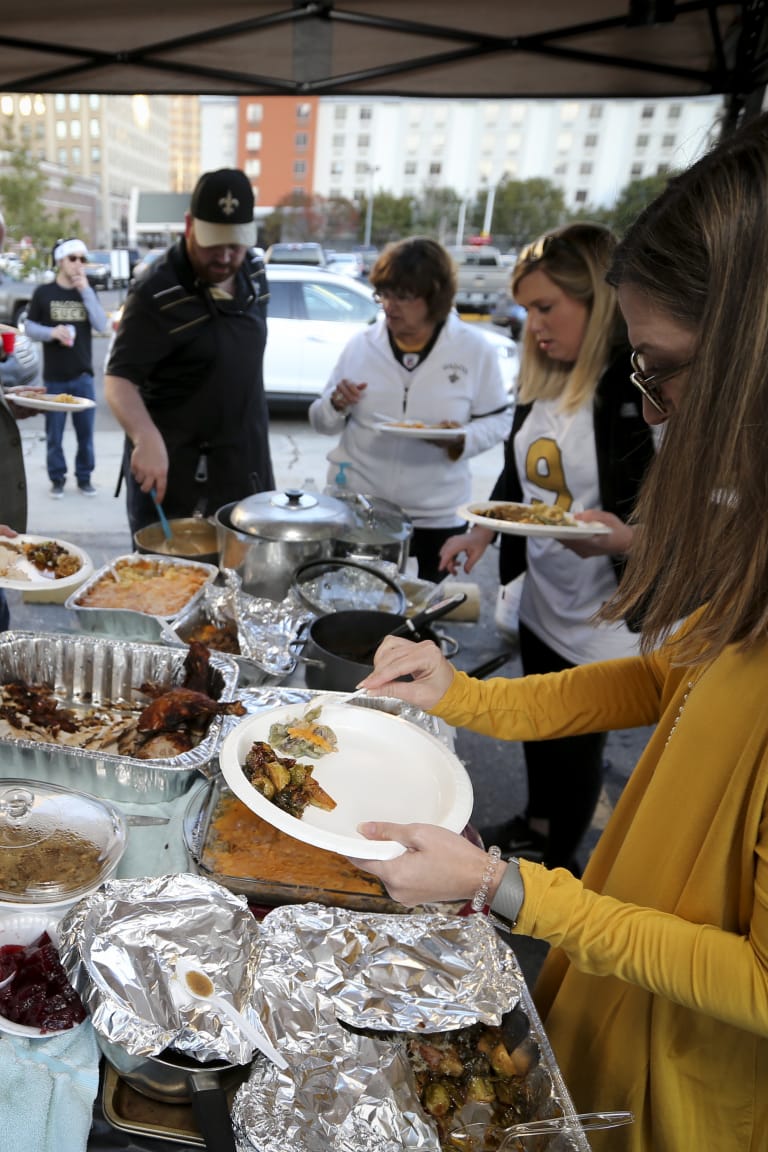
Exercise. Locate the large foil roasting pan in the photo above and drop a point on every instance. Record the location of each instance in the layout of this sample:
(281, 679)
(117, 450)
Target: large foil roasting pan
(95, 671)
(251, 673)
(128, 623)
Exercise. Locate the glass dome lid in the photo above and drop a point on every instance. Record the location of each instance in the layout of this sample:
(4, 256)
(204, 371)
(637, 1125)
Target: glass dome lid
(55, 844)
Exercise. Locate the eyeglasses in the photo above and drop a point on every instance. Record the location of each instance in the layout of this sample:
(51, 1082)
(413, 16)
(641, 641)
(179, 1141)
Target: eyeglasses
(385, 294)
(648, 384)
(82, 259)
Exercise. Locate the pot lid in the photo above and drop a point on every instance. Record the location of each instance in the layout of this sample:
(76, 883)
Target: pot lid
(376, 521)
(292, 514)
(55, 844)
(339, 585)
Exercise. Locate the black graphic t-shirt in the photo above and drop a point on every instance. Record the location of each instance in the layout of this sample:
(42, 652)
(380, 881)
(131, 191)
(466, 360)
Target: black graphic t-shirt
(52, 305)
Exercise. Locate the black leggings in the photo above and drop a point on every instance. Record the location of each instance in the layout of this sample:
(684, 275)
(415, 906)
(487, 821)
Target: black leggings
(565, 776)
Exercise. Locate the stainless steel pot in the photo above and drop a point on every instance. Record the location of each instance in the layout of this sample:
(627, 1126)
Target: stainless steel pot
(173, 1078)
(265, 537)
(192, 538)
(380, 530)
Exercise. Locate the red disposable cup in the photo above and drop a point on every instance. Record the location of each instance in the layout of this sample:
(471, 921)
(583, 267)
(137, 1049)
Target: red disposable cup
(9, 342)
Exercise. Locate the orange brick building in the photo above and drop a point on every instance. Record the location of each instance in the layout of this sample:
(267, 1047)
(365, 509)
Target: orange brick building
(276, 145)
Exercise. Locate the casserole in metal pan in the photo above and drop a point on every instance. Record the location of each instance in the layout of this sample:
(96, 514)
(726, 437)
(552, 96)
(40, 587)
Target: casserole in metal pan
(135, 623)
(86, 672)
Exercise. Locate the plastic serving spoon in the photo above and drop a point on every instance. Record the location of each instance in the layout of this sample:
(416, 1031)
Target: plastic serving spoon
(6, 982)
(587, 1121)
(200, 987)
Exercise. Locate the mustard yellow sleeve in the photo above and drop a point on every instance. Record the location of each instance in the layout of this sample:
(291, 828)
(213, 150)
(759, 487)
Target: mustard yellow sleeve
(662, 953)
(612, 694)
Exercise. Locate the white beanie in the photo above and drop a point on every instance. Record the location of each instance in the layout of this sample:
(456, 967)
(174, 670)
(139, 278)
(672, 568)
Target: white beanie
(69, 248)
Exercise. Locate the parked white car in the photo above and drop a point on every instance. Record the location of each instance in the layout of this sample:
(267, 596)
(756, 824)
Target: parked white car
(312, 314)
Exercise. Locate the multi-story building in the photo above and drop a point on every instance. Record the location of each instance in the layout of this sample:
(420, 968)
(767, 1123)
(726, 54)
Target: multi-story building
(120, 141)
(276, 145)
(184, 139)
(589, 148)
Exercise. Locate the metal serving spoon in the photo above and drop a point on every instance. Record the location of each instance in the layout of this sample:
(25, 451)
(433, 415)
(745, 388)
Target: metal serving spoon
(200, 987)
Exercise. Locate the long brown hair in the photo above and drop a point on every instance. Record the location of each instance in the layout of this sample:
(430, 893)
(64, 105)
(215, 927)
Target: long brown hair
(576, 259)
(699, 253)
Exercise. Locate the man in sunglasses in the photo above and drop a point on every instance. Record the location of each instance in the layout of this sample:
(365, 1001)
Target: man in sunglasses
(62, 315)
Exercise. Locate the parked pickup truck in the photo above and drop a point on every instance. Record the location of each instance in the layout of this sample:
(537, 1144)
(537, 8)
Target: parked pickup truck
(15, 296)
(483, 278)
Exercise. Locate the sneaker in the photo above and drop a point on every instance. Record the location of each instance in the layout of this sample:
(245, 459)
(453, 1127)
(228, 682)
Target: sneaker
(515, 837)
(57, 490)
(87, 489)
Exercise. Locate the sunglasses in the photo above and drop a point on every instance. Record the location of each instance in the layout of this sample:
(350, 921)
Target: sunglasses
(648, 382)
(74, 259)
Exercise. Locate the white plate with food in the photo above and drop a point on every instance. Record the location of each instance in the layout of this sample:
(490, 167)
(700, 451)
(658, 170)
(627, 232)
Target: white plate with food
(48, 402)
(33, 562)
(382, 768)
(419, 431)
(529, 520)
(22, 929)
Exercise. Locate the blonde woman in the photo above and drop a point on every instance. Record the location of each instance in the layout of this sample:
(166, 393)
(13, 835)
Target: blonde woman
(579, 442)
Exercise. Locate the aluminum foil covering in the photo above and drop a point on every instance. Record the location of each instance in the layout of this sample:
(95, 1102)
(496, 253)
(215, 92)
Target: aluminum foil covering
(336, 585)
(120, 948)
(90, 671)
(320, 966)
(266, 629)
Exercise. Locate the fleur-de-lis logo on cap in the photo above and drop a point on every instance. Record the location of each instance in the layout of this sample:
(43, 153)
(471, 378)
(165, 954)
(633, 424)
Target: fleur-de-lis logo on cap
(228, 203)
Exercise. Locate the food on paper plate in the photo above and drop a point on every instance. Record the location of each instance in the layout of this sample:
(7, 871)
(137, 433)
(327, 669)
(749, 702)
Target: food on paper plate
(284, 781)
(421, 424)
(537, 512)
(303, 736)
(49, 559)
(39, 996)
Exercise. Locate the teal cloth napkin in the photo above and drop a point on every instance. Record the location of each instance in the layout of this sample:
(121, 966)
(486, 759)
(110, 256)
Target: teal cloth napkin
(156, 850)
(47, 1090)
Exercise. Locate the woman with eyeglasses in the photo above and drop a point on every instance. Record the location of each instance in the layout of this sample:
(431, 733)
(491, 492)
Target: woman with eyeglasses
(578, 442)
(418, 364)
(61, 315)
(655, 992)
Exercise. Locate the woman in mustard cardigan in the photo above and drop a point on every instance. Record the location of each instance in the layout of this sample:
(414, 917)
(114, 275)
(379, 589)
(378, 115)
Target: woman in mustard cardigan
(655, 990)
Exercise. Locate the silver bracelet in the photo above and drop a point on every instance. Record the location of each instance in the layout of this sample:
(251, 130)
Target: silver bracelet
(480, 898)
(510, 894)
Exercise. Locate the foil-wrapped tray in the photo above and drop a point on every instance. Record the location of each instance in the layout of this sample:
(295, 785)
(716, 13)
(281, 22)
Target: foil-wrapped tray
(251, 672)
(89, 671)
(128, 623)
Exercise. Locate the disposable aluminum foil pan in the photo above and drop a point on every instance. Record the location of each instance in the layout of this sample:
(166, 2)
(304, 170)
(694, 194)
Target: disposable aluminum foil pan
(251, 673)
(100, 672)
(128, 623)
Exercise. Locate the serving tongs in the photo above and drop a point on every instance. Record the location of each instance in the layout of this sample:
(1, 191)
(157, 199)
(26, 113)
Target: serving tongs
(474, 1136)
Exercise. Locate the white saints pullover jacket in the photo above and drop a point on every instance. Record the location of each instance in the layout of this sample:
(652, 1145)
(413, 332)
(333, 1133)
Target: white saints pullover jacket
(459, 380)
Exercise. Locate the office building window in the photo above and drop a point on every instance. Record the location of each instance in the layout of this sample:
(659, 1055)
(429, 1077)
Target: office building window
(299, 167)
(410, 168)
(585, 169)
(364, 141)
(595, 111)
(95, 128)
(674, 112)
(337, 168)
(590, 140)
(253, 141)
(74, 102)
(94, 101)
(74, 129)
(581, 196)
(662, 169)
(366, 113)
(647, 113)
(75, 155)
(95, 155)
(336, 193)
(569, 112)
(339, 112)
(642, 142)
(300, 140)
(60, 102)
(338, 140)
(561, 169)
(303, 111)
(61, 129)
(254, 113)
(636, 170)
(668, 141)
(361, 168)
(253, 166)
(62, 156)
(435, 168)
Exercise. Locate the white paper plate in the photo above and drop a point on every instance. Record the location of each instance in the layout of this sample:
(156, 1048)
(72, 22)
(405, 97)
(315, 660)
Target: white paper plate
(40, 404)
(417, 432)
(23, 928)
(36, 579)
(385, 768)
(578, 531)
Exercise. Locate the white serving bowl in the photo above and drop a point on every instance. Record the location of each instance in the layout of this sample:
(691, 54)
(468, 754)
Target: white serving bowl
(22, 928)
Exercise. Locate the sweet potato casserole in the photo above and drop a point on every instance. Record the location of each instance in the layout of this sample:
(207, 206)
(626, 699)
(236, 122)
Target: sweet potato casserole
(161, 588)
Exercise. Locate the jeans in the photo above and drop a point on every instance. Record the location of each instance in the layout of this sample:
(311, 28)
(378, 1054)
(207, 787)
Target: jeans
(5, 618)
(83, 423)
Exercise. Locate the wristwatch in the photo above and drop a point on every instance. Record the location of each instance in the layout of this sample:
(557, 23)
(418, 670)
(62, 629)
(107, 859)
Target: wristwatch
(510, 894)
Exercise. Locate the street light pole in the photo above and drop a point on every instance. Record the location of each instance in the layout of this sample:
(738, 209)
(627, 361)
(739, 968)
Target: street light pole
(369, 207)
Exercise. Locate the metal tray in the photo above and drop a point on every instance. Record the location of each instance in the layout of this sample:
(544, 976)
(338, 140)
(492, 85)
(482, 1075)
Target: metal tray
(199, 841)
(86, 670)
(128, 623)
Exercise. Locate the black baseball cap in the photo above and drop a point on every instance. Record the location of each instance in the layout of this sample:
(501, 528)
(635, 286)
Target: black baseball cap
(222, 209)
